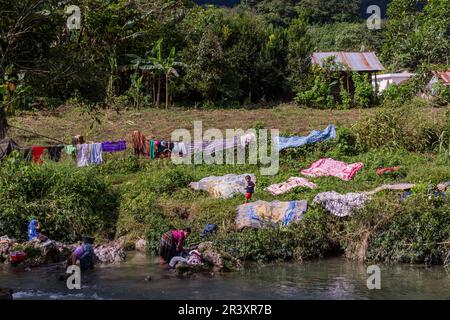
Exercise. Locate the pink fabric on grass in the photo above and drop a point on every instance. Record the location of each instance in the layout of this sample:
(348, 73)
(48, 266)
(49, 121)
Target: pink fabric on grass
(331, 167)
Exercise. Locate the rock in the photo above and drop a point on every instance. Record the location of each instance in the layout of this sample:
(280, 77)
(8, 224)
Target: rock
(6, 294)
(221, 261)
(6, 245)
(148, 278)
(112, 252)
(141, 245)
(45, 252)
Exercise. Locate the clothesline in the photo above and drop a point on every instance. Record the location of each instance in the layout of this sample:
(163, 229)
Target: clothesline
(36, 133)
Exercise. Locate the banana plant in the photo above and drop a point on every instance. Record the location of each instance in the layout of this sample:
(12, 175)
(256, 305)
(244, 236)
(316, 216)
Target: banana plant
(154, 62)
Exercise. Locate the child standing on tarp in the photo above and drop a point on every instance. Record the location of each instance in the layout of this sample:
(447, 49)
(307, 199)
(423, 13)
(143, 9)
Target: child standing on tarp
(249, 188)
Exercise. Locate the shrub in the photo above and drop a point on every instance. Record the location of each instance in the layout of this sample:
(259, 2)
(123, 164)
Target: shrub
(69, 202)
(391, 231)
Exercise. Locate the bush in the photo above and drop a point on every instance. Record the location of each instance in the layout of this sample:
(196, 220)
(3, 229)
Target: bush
(69, 202)
(410, 232)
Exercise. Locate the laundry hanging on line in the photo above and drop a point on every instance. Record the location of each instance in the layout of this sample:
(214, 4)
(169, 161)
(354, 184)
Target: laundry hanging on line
(314, 137)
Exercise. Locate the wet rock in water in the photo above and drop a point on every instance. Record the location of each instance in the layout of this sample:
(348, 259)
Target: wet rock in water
(148, 278)
(112, 252)
(6, 294)
(6, 245)
(447, 259)
(140, 245)
(221, 261)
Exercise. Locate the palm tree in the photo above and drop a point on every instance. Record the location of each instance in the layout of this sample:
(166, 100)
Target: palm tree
(153, 61)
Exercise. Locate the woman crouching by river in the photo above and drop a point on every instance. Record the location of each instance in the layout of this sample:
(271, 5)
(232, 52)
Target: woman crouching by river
(171, 244)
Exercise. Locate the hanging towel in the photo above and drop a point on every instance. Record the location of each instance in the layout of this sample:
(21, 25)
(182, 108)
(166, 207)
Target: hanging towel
(114, 146)
(54, 152)
(314, 137)
(331, 167)
(179, 149)
(70, 149)
(82, 155)
(95, 153)
(27, 154)
(140, 144)
(37, 152)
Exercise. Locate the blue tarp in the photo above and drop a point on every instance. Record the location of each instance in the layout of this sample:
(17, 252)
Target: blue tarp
(314, 137)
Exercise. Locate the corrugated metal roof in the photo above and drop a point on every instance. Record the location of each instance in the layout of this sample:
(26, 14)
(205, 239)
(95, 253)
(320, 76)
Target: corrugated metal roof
(443, 75)
(356, 61)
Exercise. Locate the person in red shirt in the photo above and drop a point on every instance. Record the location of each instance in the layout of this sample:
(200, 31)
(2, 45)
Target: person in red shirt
(249, 188)
(171, 244)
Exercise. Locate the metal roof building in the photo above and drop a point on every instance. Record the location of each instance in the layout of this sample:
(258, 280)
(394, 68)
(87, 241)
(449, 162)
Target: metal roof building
(355, 61)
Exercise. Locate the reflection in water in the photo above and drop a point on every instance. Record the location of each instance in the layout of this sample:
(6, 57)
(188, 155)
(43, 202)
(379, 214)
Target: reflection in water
(334, 278)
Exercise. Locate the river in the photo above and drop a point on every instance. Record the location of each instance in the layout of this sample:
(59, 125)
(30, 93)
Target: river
(332, 278)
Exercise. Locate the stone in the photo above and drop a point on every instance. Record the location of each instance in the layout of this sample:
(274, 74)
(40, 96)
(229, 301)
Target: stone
(220, 261)
(112, 252)
(141, 245)
(6, 294)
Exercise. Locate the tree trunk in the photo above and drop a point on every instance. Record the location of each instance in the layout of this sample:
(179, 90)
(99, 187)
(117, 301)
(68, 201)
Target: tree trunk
(3, 123)
(158, 94)
(167, 91)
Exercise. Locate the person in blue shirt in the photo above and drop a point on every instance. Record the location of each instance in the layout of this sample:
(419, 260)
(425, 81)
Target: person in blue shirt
(33, 228)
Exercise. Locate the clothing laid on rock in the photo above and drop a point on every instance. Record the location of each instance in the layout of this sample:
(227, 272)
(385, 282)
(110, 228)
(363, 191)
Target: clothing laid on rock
(381, 171)
(37, 152)
(314, 137)
(291, 183)
(260, 214)
(82, 155)
(398, 186)
(223, 186)
(341, 205)
(176, 260)
(208, 230)
(331, 167)
(114, 146)
(54, 152)
(95, 153)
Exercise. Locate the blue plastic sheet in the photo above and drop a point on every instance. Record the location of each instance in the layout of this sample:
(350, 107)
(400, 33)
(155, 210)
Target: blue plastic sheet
(314, 137)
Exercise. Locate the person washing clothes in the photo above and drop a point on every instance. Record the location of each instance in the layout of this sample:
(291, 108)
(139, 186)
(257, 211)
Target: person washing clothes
(249, 188)
(84, 253)
(33, 233)
(171, 244)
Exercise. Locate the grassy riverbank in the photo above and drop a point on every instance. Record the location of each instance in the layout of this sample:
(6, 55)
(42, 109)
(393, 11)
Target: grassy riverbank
(136, 198)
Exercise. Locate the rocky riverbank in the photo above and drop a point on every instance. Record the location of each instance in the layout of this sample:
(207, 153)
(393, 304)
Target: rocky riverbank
(39, 252)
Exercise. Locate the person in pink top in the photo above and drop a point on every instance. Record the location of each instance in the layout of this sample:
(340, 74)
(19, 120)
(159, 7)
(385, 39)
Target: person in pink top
(171, 244)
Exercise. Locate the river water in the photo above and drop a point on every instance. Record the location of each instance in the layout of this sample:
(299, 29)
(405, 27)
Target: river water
(332, 278)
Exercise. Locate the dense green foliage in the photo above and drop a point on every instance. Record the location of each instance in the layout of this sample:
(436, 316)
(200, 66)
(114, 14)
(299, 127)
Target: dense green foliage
(69, 202)
(256, 52)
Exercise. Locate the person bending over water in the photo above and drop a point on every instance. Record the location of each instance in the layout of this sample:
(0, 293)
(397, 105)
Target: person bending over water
(171, 244)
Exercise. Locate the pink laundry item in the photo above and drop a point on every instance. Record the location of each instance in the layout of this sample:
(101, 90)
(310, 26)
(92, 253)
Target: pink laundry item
(331, 167)
(291, 183)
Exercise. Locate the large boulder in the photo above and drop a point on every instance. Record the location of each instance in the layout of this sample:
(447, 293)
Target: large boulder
(41, 252)
(220, 261)
(6, 245)
(111, 252)
(140, 245)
